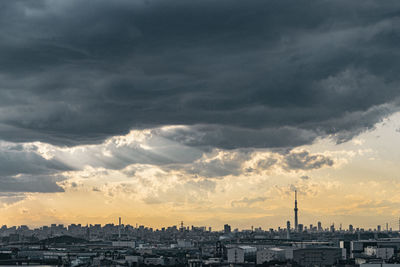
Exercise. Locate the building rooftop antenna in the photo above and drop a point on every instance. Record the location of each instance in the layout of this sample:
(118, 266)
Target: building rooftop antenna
(296, 222)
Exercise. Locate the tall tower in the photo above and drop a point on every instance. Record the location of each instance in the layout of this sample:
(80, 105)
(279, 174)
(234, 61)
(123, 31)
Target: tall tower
(296, 222)
(119, 228)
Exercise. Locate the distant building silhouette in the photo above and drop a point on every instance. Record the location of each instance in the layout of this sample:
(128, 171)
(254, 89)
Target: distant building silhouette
(296, 222)
(320, 227)
(227, 229)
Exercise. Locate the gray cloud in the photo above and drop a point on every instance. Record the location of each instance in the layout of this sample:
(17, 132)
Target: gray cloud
(215, 164)
(15, 162)
(305, 161)
(32, 184)
(24, 170)
(243, 74)
(303, 187)
(218, 164)
(149, 149)
(247, 201)
(236, 137)
(8, 198)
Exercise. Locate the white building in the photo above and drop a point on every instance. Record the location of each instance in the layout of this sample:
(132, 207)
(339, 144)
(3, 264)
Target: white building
(184, 243)
(240, 254)
(274, 253)
(357, 247)
(381, 253)
(124, 244)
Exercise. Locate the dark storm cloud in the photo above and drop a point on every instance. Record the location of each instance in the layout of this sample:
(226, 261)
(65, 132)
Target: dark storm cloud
(27, 162)
(31, 184)
(242, 73)
(24, 170)
(235, 137)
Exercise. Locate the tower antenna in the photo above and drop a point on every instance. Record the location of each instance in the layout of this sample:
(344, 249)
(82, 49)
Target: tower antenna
(296, 222)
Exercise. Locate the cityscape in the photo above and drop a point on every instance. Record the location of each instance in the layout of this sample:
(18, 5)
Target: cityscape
(194, 133)
(181, 245)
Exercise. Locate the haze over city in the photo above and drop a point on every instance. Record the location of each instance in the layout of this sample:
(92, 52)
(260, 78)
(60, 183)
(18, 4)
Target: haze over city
(207, 112)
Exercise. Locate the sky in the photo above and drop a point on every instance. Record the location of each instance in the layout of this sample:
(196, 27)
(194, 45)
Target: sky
(207, 112)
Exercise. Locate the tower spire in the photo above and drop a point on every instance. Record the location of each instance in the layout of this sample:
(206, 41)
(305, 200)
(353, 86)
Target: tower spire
(296, 222)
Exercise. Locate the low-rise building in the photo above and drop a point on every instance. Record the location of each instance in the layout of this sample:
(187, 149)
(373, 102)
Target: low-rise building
(274, 253)
(323, 256)
(241, 254)
(124, 244)
(184, 243)
(154, 261)
(381, 253)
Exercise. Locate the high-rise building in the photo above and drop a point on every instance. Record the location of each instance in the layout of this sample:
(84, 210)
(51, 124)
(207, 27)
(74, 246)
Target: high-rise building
(319, 227)
(296, 222)
(351, 228)
(227, 229)
(119, 228)
(288, 229)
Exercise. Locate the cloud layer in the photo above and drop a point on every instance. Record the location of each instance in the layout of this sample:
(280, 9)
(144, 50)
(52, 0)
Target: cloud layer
(164, 101)
(38, 167)
(23, 169)
(237, 74)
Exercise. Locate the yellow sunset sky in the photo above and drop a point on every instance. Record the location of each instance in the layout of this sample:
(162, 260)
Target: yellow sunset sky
(359, 187)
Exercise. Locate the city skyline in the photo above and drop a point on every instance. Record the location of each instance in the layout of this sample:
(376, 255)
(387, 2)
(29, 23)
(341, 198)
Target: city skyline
(207, 112)
(116, 244)
(316, 228)
(297, 227)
